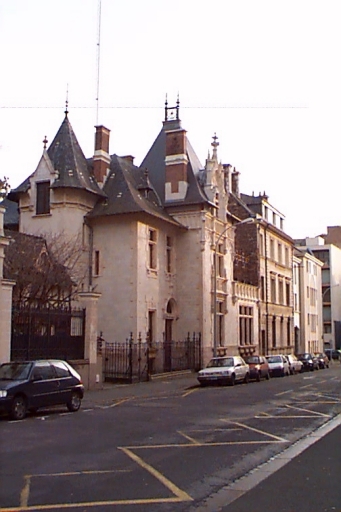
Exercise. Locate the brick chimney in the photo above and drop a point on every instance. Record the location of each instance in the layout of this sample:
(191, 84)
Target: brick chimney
(176, 161)
(101, 159)
(235, 182)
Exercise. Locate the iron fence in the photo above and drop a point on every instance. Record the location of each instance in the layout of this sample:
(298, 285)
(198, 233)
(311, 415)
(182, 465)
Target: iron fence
(137, 360)
(47, 333)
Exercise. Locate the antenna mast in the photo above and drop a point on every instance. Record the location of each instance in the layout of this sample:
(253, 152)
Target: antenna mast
(98, 57)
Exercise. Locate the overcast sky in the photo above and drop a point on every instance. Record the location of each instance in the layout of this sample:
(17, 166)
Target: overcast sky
(264, 75)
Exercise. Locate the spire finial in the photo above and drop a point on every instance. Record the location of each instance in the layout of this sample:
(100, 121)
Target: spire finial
(45, 141)
(67, 101)
(214, 144)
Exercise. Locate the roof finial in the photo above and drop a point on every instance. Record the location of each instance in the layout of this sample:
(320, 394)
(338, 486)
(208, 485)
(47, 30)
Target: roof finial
(45, 141)
(67, 100)
(214, 144)
(177, 106)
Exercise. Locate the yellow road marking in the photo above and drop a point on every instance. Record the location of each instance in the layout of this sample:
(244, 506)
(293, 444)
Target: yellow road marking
(188, 437)
(189, 392)
(307, 410)
(284, 392)
(24, 495)
(279, 439)
(91, 504)
(181, 495)
(307, 386)
(115, 404)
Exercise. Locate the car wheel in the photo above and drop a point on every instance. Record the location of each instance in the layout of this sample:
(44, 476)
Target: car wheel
(19, 408)
(233, 380)
(258, 377)
(75, 402)
(246, 378)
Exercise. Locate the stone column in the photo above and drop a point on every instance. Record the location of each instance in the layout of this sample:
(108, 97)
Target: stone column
(6, 288)
(89, 301)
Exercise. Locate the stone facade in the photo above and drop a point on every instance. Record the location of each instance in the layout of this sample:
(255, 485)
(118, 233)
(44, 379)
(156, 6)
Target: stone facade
(165, 245)
(6, 287)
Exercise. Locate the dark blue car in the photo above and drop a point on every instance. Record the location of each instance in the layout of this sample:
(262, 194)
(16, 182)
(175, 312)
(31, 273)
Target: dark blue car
(30, 385)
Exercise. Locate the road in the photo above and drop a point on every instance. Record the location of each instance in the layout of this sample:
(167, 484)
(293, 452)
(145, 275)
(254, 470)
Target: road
(159, 446)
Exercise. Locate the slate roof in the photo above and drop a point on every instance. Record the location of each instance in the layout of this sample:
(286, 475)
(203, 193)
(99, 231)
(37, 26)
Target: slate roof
(154, 161)
(11, 217)
(129, 190)
(68, 159)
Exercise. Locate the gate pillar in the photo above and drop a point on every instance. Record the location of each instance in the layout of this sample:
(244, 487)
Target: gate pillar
(6, 288)
(89, 301)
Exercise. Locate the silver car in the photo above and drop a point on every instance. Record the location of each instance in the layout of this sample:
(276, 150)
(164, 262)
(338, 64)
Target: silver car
(225, 370)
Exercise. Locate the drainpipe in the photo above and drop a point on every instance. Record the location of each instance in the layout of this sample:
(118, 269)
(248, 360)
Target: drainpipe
(266, 293)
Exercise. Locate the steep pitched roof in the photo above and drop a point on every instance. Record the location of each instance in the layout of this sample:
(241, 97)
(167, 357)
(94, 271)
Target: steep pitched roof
(154, 161)
(68, 159)
(128, 190)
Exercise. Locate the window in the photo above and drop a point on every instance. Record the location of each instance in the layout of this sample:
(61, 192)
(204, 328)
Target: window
(220, 321)
(287, 256)
(220, 261)
(245, 325)
(151, 322)
(279, 249)
(273, 290)
(274, 332)
(169, 255)
(96, 263)
(262, 288)
(43, 197)
(287, 287)
(60, 369)
(261, 243)
(272, 249)
(152, 248)
(281, 292)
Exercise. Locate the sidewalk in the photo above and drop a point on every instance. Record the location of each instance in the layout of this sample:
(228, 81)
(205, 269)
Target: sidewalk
(159, 384)
(307, 481)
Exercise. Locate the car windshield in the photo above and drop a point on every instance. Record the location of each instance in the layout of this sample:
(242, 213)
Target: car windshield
(304, 356)
(274, 359)
(15, 371)
(252, 360)
(218, 362)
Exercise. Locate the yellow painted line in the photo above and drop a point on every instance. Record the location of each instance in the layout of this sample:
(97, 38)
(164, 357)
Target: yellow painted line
(24, 495)
(189, 392)
(181, 495)
(86, 472)
(188, 437)
(263, 414)
(307, 410)
(307, 386)
(115, 404)
(279, 439)
(200, 445)
(90, 504)
(286, 417)
(284, 392)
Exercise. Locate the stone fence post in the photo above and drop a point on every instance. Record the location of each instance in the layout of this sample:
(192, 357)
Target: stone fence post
(6, 288)
(89, 301)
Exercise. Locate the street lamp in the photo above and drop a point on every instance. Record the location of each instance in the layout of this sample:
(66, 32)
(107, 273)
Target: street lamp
(249, 220)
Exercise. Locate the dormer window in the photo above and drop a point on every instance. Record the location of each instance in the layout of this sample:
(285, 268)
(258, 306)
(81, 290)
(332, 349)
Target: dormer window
(43, 197)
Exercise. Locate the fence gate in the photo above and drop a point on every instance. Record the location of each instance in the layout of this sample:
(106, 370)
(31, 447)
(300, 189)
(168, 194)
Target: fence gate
(125, 362)
(47, 333)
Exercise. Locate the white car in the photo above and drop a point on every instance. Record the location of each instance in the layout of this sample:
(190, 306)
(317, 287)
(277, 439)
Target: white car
(278, 365)
(294, 364)
(225, 370)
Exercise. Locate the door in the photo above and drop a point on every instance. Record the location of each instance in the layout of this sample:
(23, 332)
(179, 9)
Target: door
(44, 385)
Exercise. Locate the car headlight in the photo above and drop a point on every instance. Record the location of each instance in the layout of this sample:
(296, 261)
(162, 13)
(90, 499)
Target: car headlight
(310, 360)
(3, 393)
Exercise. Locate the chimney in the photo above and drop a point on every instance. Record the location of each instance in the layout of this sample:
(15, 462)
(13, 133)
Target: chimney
(101, 159)
(176, 161)
(235, 182)
(128, 158)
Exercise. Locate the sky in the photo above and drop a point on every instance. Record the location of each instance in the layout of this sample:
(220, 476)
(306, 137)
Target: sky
(263, 75)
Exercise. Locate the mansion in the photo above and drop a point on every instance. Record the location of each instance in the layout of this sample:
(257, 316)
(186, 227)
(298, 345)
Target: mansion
(171, 246)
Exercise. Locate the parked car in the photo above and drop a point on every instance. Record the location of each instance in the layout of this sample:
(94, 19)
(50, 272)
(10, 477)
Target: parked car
(295, 365)
(224, 370)
(333, 354)
(259, 367)
(278, 365)
(322, 359)
(310, 363)
(29, 385)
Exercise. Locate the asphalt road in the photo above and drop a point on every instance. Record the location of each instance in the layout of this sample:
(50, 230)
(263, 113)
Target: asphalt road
(167, 445)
